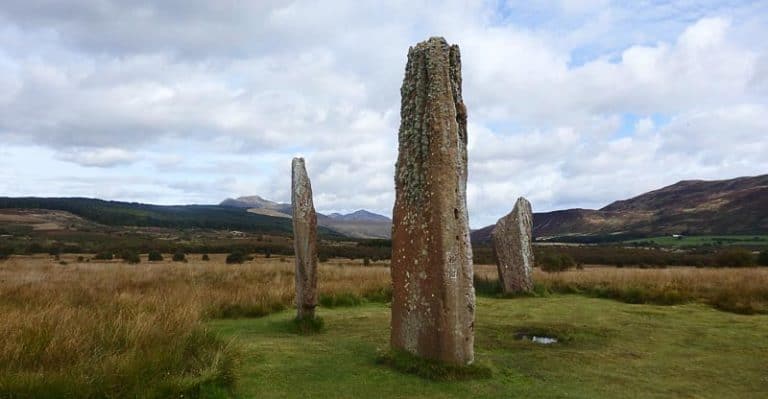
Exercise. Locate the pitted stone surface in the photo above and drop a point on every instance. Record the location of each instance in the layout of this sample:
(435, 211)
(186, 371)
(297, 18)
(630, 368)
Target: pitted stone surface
(433, 304)
(512, 240)
(304, 240)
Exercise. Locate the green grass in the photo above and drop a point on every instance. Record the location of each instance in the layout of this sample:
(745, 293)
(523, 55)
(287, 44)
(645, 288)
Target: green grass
(434, 370)
(698, 241)
(607, 349)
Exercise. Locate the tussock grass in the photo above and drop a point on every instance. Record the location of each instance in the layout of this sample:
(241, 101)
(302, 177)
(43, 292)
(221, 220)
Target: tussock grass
(85, 345)
(108, 329)
(742, 290)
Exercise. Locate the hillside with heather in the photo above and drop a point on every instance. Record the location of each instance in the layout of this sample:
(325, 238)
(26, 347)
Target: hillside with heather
(694, 207)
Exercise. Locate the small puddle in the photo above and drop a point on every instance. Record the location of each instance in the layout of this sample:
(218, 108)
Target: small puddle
(537, 339)
(543, 340)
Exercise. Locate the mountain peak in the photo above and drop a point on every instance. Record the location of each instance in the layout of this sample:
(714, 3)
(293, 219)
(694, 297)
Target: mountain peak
(256, 202)
(359, 224)
(360, 215)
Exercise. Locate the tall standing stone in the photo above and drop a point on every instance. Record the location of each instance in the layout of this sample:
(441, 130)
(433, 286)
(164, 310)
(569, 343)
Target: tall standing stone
(512, 239)
(433, 303)
(304, 241)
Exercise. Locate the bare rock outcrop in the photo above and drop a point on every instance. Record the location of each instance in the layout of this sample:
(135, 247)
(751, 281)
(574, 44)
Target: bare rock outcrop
(433, 304)
(512, 245)
(304, 241)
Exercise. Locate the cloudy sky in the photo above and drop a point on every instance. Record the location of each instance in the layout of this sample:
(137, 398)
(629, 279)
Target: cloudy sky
(571, 103)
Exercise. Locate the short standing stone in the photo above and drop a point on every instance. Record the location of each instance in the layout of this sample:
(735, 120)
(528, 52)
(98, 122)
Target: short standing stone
(433, 304)
(304, 241)
(512, 246)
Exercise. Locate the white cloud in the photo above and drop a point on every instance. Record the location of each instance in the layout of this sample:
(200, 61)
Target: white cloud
(99, 157)
(575, 104)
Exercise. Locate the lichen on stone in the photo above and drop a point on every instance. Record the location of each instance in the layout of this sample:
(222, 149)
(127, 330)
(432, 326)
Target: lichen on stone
(433, 294)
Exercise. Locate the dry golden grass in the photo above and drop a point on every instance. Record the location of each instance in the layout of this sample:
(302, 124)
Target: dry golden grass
(213, 288)
(741, 290)
(109, 329)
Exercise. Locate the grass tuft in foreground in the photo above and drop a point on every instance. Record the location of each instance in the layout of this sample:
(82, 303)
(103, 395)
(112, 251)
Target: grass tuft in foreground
(121, 348)
(405, 362)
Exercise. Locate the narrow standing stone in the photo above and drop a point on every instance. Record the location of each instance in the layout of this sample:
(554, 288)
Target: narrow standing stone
(304, 241)
(512, 239)
(433, 303)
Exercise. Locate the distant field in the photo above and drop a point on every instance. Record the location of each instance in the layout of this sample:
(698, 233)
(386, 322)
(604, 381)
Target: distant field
(210, 330)
(697, 241)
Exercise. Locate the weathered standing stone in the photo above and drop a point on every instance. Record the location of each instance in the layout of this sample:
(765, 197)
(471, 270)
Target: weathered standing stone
(304, 241)
(512, 246)
(433, 304)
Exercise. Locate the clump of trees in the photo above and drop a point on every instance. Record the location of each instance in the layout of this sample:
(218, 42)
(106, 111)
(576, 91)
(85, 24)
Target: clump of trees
(155, 256)
(236, 257)
(104, 256)
(5, 253)
(206, 257)
(762, 259)
(556, 262)
(131, 257)
(179, 256)
(734, 257)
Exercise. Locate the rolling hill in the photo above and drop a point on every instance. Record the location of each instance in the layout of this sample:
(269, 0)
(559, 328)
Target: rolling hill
(116, 213)
(696, 207)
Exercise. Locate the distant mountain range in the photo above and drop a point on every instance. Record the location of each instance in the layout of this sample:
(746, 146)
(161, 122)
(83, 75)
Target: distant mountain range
(358, 224)
(695, 207)
(734, 206)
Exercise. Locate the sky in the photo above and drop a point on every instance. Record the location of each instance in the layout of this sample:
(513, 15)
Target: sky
(571, 103)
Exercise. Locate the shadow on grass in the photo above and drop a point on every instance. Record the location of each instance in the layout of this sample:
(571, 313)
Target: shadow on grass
(305, 326)
(407, 363)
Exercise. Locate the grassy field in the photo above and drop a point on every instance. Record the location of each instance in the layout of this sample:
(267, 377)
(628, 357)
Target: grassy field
(206, 329)
(608, 350)
(697, 241)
